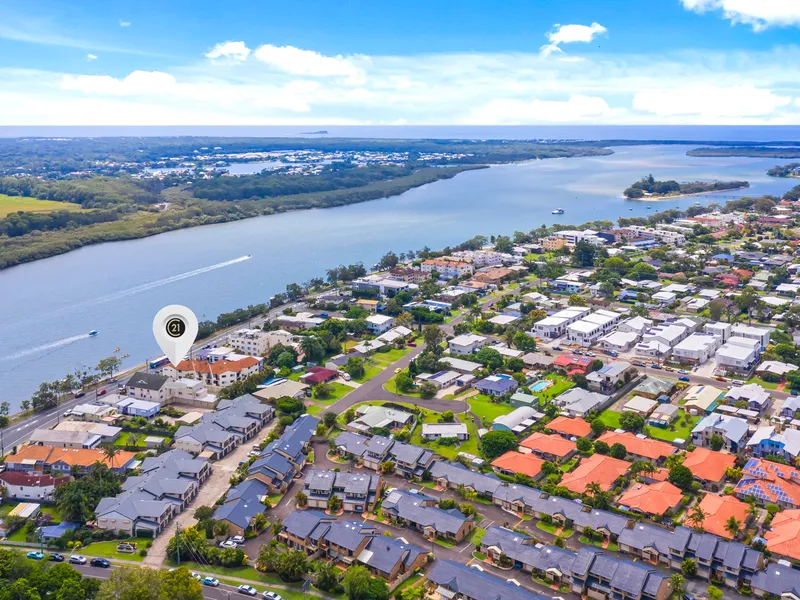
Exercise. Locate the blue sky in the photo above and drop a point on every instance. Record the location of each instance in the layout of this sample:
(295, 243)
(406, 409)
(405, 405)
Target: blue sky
(434, 62)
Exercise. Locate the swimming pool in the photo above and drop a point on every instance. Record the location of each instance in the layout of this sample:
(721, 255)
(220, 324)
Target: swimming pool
(542, 385)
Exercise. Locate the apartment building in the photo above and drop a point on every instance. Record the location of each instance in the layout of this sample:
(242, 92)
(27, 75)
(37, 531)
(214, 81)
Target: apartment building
(555, 325)
(589, 328)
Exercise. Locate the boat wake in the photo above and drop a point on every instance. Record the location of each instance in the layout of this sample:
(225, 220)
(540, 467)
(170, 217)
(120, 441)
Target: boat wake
(166, 281)
(46, 347)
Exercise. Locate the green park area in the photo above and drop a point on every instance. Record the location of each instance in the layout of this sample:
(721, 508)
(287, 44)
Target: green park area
(560, 385)
(486, 410)
(12, 204)
(683, 428)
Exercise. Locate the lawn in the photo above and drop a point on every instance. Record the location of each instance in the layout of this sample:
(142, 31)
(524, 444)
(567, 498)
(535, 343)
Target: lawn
(560, 385)
(547, 527)
(390, 387)
(313, 409)
(11, 204)
(487, 410)
(249, 573)
(122, 440)
(338, 391)
(393, 355)
(470, 446)
(476, 536)
(610, 419)
(109, 550)
(445, 543)
(368, 374)
(681, 431)
(765, 384)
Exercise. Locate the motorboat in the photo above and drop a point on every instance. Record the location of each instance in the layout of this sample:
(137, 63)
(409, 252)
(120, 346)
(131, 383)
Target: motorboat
(558, 211)
(93, 332)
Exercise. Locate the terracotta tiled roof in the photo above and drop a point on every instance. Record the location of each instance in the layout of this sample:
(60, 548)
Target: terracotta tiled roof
(219, 367)
(549, 444)
(718, 510)
(598, 468)
(708, 465)
(784, 536)
(33, 480)
(517, 462)
(646, 447)
(28, 453)
(82, 457)
(770, 482)
(655, 499)
(568, 426)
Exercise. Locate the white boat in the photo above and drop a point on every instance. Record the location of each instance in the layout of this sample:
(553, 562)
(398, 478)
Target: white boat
(558, 211)
(93, 332)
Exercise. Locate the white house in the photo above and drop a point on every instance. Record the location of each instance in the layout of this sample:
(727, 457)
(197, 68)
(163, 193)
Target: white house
(619, 341)
(379, 324)
(31, 486)
(697, 304)
(669, 334)
(637, 325)
(664, 297)
(434, 431)
(468, 343)
(720, 330)
(258, 342)
(652, 349)
(556, 324)
(740, 354)
(752, 333)
(588, 329)
(697, 348)
(732, 430)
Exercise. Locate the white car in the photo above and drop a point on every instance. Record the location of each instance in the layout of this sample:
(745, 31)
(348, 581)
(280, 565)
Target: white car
(228, 544)
(197, 576)
(236, 539)
(249, 590)
(77, 559)
(271, 596)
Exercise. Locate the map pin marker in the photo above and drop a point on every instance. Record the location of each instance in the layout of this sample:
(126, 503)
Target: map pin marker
(175, 329)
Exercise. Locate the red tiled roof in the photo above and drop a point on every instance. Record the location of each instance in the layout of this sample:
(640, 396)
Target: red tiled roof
(718, 510)
(567, 360)
(548, 444)
(33, 480)
(219, 367)
(708, 465)
(655, 499)
(598, 468)
(767, 479)
(568, 426)
(646, 447)
(517, 462)
(784, 536)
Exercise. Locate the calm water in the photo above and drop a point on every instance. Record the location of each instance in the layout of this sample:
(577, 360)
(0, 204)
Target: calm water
(116, 288)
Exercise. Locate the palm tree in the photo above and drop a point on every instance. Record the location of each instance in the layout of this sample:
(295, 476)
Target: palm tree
(649, 468)
(753, 510)
(110, 452)
(593, 489)
(133, 440)
(733, 527)
(676, 582)
(697, 515)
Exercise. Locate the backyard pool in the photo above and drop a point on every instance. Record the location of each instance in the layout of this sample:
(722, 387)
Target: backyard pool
(542, 385)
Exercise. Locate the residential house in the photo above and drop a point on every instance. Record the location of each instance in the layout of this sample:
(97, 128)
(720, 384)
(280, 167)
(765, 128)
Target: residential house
(379, 324)
(27, 487)
(593, 570)
(577, 402)
(769, 483)
(358, 492)
(453, 475)
(138, 408)
(739, 355)
(242, 504)
(379, 417)
(696, 349)
(390, 557)
(619, 341)
(610, 377)
(552, 448)
(637, 325)
(709, 467)
(732, 430)
(722, 331)
(409, 461)
(701, 399)
(569, 428)
(434, 431)
(469, 343)
(572, 364)
(766, 441)
(755, 396)
(513, 462)
(759, 334)
(147, 386)
(640, 447)
(663, 415)
(418, 512)
(303, 530)
(654, 500)
(600, 469)
(555, 325)
(718, 511)
(464, 583)
(783, 537)
(654, 387)
(589, 328)
(496, 385)
(518, 420)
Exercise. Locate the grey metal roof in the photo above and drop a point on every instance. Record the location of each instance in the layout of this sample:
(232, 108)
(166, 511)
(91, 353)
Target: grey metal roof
(301, 523)
(777, 579)
(348, 534)
(644, 535)
(146, 381)
(457, 474)
(383, 553)
(352, 443)
(410, 507)
(477, 585)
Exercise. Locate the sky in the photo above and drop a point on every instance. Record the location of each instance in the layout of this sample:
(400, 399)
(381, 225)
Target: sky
(432, 62)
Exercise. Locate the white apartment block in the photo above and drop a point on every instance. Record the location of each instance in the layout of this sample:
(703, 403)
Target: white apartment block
(447, 268)
(566, 285)
(556, 324)
(572, 237)
(257, 342)
(590, 328)
(751, 333)
(697, 348)
(619, 341)
(721, 330)
(468, 343)
(484, 258)
(740, 354)
(637, 325)
(379, 324)
(669, 334)
(665, 236)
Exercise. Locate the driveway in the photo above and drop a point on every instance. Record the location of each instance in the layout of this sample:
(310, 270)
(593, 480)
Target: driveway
(209, 493)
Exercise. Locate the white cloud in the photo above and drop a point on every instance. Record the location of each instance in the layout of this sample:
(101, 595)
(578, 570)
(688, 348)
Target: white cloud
(236, 51)
(516, 112)
(91, 57)
(306, 62)
(568, 34)
(760, 14)
(137, 83)
(711, 102)
(124, 23)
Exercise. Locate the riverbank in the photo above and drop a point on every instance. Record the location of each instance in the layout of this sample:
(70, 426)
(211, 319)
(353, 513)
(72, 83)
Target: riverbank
(37, 245)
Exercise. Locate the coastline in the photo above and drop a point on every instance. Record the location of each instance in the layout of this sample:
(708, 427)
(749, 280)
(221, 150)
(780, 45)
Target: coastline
(30, 248)
(672, 197)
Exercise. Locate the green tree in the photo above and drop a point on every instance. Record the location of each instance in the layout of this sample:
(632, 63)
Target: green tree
(490, 358)
(313, 348)
(180, 585)
(495, 443)
(522, 341)
(733, 526)
(697, 516)
(584, 445)
(677, 582)
(356, 582)
(576, 300)
(107, 366)
(584, 253)
(73, 504)
(433, 336)
(131, 583)
(355, 367)
(631, 421)
(714, 593)
(598, 427)
(618, 451)
(689, 567)
(327, 575)
(681, 476)
(716, 442)
(291, 565)
(427, 390)
(329, 419)
(403, 382)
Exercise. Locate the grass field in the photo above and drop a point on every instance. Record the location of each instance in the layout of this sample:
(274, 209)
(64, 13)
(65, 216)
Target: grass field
(368, 374)
(470, 446)
(610, 418)
(10, 204)
(487, 410)
(109, 550)
(339, 391)
(765, 384)
(681, 431)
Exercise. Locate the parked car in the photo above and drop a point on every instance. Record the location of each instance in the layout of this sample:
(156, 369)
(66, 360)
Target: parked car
(56, 557)
(638, 363)
(557, 348)
(737, 382)
(670, 369)
(683, 378)
(236, 539)
(688, 596)
(211, 581)
(271, 596)
(249, 590)
(80, 394)
(77, 559)
(346, 376)
(794, 392)
(720, 378)
(683, 371)
(412, 344)
(655, 366)
(100, 562)
(197, 576)
(102, 392)
(227, 544)
(35, 555)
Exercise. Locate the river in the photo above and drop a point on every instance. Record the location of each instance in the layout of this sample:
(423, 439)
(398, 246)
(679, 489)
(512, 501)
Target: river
(50, 305)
